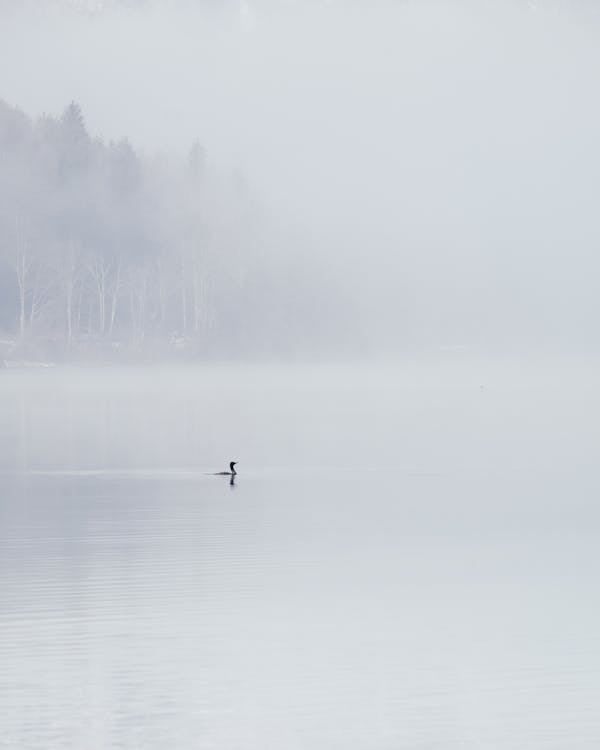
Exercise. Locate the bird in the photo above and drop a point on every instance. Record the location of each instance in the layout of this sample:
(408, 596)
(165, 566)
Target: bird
(231, 473)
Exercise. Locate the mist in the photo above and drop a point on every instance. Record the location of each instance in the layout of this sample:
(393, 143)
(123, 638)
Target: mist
(432, 165)
(298, 374)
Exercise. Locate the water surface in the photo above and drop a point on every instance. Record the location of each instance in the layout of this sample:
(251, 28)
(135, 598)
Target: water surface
(407, 560)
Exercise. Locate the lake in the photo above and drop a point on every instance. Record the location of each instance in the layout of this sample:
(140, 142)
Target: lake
(408, 558)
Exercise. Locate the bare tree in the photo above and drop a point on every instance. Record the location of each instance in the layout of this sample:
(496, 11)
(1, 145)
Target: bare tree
(71, 280)
(99, 271)
(138, 293)
(41, 290)
(201, 293)
(183, 289)
(114, 292)
(22, 262)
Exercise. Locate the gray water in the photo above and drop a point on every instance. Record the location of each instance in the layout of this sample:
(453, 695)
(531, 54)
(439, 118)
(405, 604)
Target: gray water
(409, 558)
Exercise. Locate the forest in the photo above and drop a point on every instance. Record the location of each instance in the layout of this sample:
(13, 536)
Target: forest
(107, 254)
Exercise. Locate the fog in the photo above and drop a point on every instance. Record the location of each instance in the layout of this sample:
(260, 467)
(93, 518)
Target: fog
(429, 166)
(351, 246)
(416, 419)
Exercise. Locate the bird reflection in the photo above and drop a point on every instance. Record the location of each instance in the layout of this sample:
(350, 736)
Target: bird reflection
(232, 480)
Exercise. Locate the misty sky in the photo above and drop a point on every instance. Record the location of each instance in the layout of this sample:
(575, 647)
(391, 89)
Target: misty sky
(441, 156)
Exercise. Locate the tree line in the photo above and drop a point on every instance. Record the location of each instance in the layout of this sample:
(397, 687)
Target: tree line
(104, 250)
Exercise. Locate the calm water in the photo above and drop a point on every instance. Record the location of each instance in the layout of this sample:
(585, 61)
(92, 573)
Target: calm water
(407, 560)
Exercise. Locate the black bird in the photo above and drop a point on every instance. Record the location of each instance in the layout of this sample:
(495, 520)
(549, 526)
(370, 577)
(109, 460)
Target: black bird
(231, 473)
